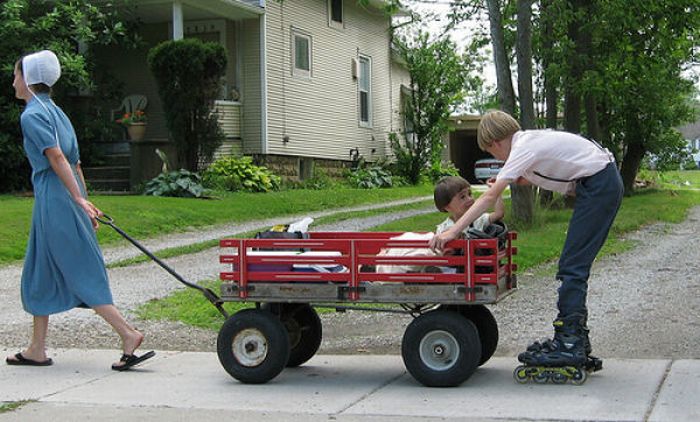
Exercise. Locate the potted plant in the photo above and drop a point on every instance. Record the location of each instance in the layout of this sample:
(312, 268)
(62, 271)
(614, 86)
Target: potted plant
(135, 124)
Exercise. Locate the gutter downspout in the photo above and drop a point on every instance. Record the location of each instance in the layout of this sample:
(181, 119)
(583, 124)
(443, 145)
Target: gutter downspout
(263, 78)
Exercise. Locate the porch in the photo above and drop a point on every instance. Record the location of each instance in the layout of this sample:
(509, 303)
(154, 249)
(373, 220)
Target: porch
(235, 24)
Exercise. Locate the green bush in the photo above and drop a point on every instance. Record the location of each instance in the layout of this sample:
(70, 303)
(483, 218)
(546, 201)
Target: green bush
(188, 73)
(320, 180)
(240, 174)
(437, 172)
(370, 178)
(180, 183)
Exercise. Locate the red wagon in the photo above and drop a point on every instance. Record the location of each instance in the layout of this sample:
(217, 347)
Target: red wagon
(452, 332)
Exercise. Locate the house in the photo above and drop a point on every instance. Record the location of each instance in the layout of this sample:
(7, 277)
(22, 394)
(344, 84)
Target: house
(309, 83)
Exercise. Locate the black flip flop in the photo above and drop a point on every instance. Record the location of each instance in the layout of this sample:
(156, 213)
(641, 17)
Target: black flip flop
(129, 361)
(22, 361)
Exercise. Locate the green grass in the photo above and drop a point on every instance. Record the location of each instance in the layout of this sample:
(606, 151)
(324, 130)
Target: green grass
(146, 216)
(10, 406)
(537, 244)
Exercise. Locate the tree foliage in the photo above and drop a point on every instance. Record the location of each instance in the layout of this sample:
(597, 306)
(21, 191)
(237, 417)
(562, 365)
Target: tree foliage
(437, 80)
(188, 73)
(620, 67)
(30, 25)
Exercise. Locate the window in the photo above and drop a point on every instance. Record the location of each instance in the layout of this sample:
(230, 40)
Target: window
(335, 13)
(301, 54)
(365, 93)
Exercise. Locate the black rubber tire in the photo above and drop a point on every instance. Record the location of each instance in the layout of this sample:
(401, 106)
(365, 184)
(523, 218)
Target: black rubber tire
(482, 317)
(441, 348)
(303, 329)
(253, 346)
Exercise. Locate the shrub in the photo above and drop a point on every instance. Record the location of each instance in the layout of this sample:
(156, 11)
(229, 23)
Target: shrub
(320, 180)
(370, 178)
(239, 173)
(188, 73)
(437, 172)
(180, 183)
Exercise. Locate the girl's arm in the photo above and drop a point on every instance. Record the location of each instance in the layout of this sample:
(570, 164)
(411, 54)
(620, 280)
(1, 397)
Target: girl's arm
(60, 166)
(82, 177)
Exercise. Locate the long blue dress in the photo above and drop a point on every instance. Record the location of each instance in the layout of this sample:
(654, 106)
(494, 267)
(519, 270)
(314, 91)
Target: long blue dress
(63, 267)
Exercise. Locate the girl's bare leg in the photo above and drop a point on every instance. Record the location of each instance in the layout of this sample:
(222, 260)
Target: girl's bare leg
(37, 349)
(131, 338)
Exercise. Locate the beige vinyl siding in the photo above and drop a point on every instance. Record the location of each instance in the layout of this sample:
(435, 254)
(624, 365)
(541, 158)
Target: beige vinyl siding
(399, 77)
(320, 113)
(251, 93)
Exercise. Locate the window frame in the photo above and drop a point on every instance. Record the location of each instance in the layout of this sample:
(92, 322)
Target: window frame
(299, 72)
(333, 23)
(368, 122)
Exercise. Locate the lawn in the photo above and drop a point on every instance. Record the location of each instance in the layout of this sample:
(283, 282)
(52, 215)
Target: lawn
(537, 243)
(147, 216)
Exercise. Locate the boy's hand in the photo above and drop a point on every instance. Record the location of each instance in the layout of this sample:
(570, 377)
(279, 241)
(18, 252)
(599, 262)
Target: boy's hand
(438, 242)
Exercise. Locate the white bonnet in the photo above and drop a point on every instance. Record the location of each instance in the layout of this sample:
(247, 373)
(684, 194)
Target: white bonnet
(41, 68)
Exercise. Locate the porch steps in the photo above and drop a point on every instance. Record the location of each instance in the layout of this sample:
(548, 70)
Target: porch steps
(112, 176)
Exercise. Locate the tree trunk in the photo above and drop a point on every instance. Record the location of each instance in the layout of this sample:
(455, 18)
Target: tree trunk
(551, 93)
(592, 123)
(572, 97)
(523, 48)
(630, 165)
(506, 96)
(523, 198)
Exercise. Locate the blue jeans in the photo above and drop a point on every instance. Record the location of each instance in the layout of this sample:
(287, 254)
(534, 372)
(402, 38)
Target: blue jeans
(598, 198)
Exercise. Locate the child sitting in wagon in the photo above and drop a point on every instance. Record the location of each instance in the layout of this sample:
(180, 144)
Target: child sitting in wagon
(453, 195)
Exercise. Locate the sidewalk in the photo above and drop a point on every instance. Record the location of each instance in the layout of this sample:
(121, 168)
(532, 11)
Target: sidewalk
(182, 386)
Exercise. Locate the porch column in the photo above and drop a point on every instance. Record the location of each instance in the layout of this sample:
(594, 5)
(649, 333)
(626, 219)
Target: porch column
(178, 32)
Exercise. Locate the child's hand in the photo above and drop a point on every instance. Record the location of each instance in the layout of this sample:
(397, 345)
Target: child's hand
(491, 181)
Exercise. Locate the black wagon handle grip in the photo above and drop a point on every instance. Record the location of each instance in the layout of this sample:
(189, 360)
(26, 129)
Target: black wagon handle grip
(105, 219)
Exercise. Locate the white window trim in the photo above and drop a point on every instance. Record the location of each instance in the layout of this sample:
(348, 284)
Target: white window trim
(368, 123)
(331, 22)
(296, 71)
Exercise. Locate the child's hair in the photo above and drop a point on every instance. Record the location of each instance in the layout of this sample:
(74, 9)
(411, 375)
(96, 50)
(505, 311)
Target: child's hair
(446, 189)
(495, 125)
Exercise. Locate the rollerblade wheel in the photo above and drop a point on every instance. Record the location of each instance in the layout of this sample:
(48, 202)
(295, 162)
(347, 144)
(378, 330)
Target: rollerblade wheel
(520, 375)
(541, 377)
(559, 378)
(579, 377)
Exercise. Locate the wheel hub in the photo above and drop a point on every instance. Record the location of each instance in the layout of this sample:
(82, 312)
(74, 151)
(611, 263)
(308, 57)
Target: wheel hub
(250, 347)
(439, 350)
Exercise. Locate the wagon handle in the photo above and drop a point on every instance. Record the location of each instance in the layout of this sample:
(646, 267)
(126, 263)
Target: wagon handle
(208, 293)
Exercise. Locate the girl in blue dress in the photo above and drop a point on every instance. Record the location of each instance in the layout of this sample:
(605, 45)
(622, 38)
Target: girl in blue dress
(63, 266)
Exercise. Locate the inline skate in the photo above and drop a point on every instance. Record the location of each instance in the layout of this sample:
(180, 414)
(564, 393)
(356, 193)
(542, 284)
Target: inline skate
(563, 358)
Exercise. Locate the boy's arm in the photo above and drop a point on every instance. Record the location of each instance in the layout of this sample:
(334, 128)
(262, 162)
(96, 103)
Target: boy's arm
(482, 204)
(499, 209)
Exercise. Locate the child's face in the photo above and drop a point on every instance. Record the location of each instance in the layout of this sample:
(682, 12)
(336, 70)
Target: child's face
(460, 203)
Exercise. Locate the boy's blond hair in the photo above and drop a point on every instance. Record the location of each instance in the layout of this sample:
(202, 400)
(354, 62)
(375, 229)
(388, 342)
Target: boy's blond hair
(495, 125)
(446, 189)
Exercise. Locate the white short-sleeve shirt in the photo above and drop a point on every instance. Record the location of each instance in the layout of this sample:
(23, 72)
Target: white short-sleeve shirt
(553, 159)
(479, 224)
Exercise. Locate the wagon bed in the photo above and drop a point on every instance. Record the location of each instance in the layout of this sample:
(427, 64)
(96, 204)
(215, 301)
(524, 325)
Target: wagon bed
(292, 270)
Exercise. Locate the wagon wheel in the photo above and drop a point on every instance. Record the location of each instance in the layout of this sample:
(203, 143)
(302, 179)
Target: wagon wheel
(253, 346)
(486, 325)
(303, 328)
(441, 348)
